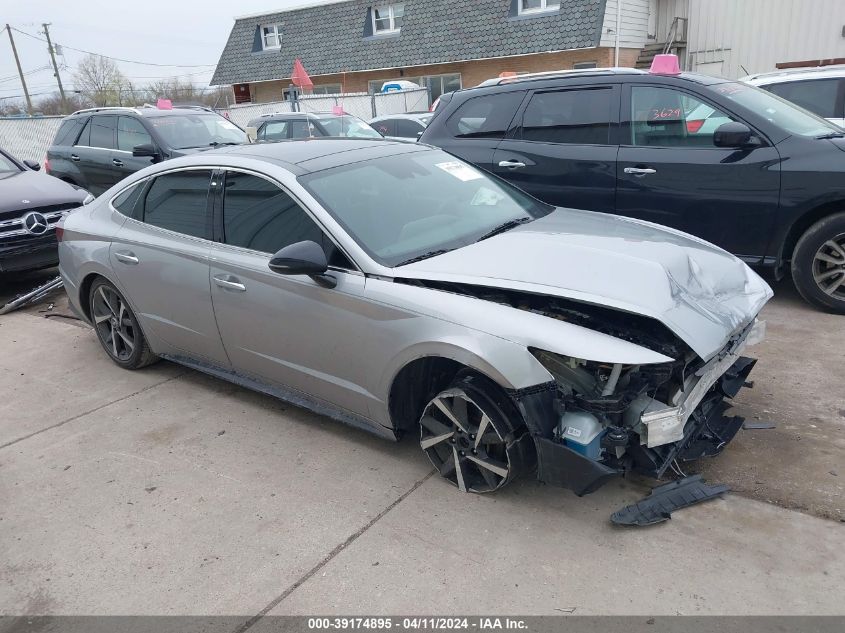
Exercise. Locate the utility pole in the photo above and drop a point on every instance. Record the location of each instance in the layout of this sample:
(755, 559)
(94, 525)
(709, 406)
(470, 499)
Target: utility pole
(55, 66)
(20, 72)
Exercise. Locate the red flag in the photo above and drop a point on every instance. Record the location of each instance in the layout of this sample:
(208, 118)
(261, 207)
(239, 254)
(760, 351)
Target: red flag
(299, 77)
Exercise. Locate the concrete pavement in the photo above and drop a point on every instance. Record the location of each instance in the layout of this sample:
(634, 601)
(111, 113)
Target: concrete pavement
(168, 492)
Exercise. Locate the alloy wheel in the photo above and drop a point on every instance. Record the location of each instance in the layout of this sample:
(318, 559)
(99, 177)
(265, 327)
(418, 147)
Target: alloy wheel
(463, 443)
(829, 267)
(113, 323)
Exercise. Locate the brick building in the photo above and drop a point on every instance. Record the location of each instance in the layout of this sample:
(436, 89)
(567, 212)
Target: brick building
(357, 45)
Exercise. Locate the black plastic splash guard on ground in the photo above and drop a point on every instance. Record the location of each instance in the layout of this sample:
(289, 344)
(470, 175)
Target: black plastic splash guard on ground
(665, 499)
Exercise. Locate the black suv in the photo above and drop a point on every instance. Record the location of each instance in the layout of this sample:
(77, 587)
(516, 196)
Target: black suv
(97, 148)
(720, 159)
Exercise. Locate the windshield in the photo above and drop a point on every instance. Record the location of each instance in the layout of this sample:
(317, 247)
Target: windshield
(780, 112)
(7, 165)
(410, 205)
(197, 130)
(348, 126)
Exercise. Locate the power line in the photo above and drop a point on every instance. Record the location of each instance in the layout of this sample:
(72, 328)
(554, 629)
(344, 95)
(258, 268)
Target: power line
(117, 59)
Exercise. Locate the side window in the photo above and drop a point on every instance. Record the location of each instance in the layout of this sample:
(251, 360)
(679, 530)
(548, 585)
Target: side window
(302, 129)
(569, 116)
(820, 96)
(407, 128)
(665, 117)
(68, 131)
(131, 132)
(178, 202)
(274, 131)
(85, 137)
(127, 202)
(485, 117)
(387, 127)
(102, 131)
(258, 215)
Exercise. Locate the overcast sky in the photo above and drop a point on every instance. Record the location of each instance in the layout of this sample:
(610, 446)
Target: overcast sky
(174, 32)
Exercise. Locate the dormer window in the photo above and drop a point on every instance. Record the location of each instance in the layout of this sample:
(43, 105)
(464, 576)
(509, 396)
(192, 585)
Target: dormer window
(271, 36)
(388, 18)
(538, 6)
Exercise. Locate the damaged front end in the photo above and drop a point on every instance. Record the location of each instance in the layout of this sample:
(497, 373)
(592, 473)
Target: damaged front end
(600, 420)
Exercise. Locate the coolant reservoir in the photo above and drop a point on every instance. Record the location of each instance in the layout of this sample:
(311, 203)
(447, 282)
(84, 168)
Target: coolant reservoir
(582, 432)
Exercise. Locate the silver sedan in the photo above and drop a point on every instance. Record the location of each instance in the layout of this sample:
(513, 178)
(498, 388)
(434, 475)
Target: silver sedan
(398, 289)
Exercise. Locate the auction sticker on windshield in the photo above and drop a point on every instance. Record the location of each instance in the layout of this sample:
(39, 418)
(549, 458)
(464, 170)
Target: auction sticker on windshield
(460, 171)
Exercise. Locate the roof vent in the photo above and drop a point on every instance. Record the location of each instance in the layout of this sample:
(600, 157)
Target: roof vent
(665, 65)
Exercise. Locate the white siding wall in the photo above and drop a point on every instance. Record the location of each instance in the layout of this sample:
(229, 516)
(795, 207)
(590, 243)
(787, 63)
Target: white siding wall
(635, 23)
(730, 37)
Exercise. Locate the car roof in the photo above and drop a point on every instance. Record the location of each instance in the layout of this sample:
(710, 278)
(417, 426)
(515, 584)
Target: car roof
(414, 116)
(319, 153)
(146, 111)
(796, 74)
(300, 115)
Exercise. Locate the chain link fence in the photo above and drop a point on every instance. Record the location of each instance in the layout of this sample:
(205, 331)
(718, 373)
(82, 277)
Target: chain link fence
(27, 138)
(364, 106)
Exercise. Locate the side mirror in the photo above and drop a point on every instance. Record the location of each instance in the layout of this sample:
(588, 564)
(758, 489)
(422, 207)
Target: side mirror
(734, 135)
(303, 258)
(146, 149)
(251, 133)
(33, 165)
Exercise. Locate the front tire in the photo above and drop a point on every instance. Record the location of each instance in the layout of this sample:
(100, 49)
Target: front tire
(117, 327)
(474, 436)
(818, 264)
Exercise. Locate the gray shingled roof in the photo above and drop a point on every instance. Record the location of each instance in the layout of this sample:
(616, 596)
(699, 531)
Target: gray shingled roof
(333, 38)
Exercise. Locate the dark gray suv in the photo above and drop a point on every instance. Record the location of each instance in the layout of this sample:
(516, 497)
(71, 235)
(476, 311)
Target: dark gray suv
(97, 148)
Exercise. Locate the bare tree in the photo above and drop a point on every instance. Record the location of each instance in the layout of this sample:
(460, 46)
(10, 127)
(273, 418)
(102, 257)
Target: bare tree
(53, 104)
(11, 108)
(183, 92)
(100, 80)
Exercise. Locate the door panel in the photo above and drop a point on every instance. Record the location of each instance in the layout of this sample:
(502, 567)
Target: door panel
(670, 172)
(93, 154)
(563, 152)
(292, 331)
(165, 273)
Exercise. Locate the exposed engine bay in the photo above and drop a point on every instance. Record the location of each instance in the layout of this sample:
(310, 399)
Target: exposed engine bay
(610, 418)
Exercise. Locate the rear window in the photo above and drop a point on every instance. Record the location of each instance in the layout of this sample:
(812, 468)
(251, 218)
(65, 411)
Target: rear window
(126, 202)
(68, 131)
(487, 116)
(819, 96)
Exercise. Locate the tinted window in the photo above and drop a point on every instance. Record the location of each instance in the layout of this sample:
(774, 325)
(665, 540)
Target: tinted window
(177, 202)
(569, 116)
(484, 117)
(126, 201)
(387, 127)
(665, 117)
(102, 131)
(260, 216)
(407, 128)
(820, 96)
(68, 132)
(274, 131)
(85, 137)
(131, 132)
(302, 129)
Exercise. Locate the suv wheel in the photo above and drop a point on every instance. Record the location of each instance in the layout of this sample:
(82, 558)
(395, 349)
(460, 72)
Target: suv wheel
(117, 328)
(818, 263)
(474, 437)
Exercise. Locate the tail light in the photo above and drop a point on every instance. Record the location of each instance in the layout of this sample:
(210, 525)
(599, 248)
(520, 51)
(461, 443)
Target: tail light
(46, 165)
(694, 126)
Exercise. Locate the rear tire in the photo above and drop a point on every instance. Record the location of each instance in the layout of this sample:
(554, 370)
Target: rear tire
(818, 264)
(474, 436)
(117, 327)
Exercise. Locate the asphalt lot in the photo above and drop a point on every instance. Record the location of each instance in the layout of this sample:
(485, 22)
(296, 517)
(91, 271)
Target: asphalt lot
(168, 492)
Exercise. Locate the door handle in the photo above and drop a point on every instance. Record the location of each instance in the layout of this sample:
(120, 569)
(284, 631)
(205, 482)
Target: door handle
(640, 171)
(74, 158)
(230, 285)
(117, 162)
(126, 258)
(511, 164)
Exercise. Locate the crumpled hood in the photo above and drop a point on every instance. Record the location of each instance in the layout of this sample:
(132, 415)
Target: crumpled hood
(700, 292)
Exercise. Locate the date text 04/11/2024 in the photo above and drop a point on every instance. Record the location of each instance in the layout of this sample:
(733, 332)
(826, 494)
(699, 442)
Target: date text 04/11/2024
(416, 623)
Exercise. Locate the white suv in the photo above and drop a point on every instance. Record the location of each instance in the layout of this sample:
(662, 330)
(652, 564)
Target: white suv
(820, 90)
